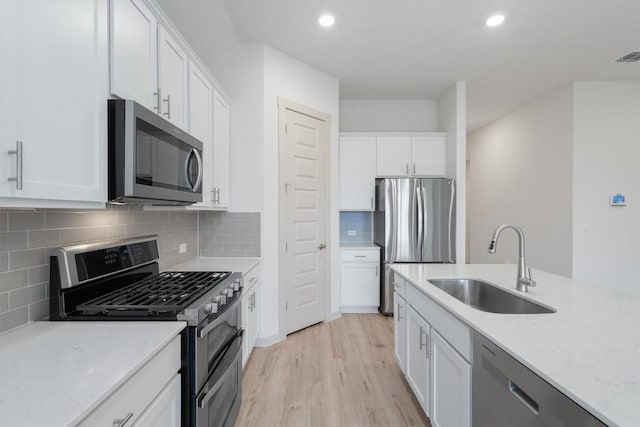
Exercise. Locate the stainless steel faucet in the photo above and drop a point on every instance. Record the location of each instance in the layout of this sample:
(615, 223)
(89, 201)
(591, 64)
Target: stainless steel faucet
(524, 279)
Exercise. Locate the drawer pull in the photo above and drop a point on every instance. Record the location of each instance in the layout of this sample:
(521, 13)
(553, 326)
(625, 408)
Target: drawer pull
(360, 256)
(123, 421)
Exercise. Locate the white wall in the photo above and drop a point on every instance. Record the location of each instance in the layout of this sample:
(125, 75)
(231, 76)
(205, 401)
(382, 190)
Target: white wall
(606, 150)
(520, 173)
(295, 81)
(242, 78)
(388, 115)
(452, 118)
(255, 76)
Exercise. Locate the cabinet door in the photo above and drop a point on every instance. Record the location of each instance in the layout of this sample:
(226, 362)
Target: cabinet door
(201, 126)
(172, 76)
(253, 319)
(357, 173)
(56, 74)
(134, 52)
(451, 385)
(399, 330)
(360, 283)
(246, 314)
(428, 156)
(393, 156)
(220, 151)
(417, 360)
(164, 411)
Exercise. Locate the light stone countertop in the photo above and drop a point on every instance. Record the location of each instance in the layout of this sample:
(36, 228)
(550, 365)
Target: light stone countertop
(56, 373)
(242, 265)
(359, 246)
(589, 349)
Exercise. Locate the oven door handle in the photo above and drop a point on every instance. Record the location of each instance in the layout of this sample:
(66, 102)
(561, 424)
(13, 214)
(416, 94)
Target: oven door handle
(204, 399)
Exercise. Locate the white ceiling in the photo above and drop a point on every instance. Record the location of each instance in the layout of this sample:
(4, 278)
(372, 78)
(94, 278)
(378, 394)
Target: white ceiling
(415, 49)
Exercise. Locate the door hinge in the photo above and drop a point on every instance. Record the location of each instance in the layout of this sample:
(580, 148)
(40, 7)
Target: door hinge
(286, 129)
(286, 247)
(286, 305)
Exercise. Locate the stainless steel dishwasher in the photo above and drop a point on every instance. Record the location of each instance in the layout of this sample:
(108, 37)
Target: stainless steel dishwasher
(506, 393)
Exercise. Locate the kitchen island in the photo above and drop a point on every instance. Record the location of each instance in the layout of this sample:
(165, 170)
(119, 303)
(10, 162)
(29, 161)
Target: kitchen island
(589, 349)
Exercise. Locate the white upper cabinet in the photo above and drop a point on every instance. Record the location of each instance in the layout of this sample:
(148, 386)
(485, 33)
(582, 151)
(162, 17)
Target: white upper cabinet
(220, 183)
(357, 173)
(428, 155)
(411, 156)
(200, 115)
(134, 50)
(393, 156)
(53, 107)
(173, 66)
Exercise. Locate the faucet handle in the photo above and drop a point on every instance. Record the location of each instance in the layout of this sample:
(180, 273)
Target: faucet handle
(532, 282)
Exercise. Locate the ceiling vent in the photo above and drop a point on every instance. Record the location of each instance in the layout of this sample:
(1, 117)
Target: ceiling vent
(630, 57)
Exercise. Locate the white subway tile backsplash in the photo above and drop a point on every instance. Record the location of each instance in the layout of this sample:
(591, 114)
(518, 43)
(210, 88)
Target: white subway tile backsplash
(229, 234)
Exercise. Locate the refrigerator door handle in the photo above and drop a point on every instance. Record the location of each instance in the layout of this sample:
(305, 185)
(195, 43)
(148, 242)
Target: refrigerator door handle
(420, 205)
(451, 212)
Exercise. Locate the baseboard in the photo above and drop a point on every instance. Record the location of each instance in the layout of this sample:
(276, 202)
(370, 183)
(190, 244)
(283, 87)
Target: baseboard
(269, 341)
(333, 316)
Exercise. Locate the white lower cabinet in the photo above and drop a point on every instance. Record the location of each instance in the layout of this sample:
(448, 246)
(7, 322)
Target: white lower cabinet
(400, 330)
(150, 396)
(360, 280)
(164, 411)
(451, 385)
(432, 349)
(417, 358)
(250, 324)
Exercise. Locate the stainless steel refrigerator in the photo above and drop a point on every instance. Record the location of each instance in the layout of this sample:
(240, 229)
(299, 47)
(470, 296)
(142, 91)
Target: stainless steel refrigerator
(414, 221)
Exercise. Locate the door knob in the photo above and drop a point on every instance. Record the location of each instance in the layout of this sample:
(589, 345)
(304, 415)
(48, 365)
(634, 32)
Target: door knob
(322, 246)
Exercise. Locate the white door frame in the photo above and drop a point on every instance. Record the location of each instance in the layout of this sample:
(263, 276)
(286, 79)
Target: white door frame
(283, 105)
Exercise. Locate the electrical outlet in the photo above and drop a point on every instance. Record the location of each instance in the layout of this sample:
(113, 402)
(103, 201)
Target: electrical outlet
(352, 233)
(183, 248)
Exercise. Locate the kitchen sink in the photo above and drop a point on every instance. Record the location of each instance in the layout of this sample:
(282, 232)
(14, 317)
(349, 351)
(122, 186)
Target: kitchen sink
(487, 297)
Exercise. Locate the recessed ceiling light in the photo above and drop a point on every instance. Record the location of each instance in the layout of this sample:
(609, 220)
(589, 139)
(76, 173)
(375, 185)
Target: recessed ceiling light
(495, 20)
(326, 20)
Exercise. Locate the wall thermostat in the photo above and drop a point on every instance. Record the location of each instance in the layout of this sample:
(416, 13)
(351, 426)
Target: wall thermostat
(618, 200)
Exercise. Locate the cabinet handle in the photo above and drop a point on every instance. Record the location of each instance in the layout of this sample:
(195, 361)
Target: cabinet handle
(18, 154)
(406, 167)
(414, 168)
(123, 421)
(421, 343)
(168, 101)
(399, 315)
(360, 256)
(158, 102)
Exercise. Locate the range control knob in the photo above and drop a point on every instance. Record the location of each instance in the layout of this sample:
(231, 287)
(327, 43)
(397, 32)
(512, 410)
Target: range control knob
(211, 308)
(220, 299)
(236, 285)
(229, 291)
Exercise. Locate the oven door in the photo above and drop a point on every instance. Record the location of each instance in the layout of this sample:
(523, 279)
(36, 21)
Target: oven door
(218, 403)
(212, 340)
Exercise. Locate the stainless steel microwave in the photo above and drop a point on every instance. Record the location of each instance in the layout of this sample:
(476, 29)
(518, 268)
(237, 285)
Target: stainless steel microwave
(151, 161)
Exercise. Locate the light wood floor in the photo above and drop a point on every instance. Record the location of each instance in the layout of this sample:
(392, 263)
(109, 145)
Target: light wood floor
(340, 373)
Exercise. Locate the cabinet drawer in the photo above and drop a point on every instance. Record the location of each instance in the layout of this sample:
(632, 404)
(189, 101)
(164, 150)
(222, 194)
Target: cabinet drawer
(135, 395)
(450, 327)
(360, 255)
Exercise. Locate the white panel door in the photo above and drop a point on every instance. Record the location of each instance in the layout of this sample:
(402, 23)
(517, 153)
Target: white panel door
(428, 156)
(305, 141)
(220, 152)
(201, 127)
(164, 411)
(393, 157)
(134, 52)
(451, 385)
(400, 330)
(417, 361)
(172, 77)
(56, 76)
(357, 173)
(360, 283)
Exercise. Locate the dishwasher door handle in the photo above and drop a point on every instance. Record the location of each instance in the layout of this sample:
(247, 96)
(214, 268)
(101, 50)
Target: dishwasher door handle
(523, 397)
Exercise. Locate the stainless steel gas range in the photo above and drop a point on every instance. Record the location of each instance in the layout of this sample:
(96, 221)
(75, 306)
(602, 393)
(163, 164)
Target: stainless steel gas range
(120, 280)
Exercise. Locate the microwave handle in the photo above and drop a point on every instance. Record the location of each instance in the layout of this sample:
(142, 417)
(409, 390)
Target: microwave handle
(196, 186)
(193, 152)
